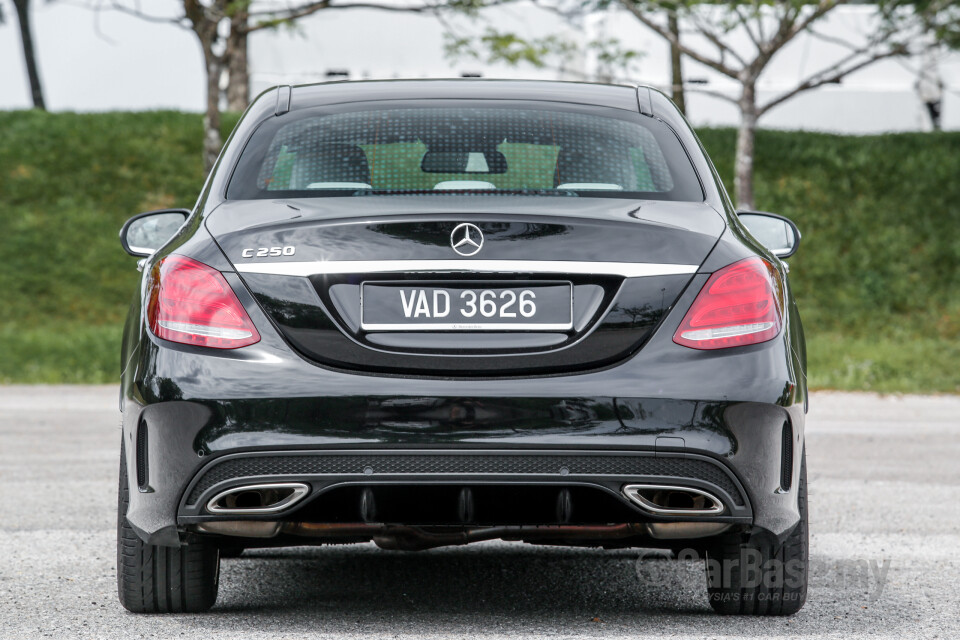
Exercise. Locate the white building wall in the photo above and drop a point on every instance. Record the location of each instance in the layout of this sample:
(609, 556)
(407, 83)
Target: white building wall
(111, 61)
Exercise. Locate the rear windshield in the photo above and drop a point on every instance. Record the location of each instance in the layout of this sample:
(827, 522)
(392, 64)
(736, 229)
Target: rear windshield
(533, 148)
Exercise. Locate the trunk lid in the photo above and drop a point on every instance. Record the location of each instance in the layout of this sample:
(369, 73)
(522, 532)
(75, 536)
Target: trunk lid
(307, 262)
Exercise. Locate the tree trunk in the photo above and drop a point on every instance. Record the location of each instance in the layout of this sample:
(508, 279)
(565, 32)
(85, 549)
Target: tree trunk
(214, 65)
(743, 179)
(238, 73)
(211, 119)
(205, 21)
(675, 64)
(29, 55)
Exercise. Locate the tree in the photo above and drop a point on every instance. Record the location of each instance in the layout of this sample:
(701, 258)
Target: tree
(238, 69)
(29, 52)
(552, 52)
(222, 27)
(937, 18)
(769, 27)
(613, 58)
(676, 63)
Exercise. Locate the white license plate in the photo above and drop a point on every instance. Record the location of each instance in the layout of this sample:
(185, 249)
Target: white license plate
(466, 306)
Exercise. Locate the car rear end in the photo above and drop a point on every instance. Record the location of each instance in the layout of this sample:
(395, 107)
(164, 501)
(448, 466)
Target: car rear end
(428, 319)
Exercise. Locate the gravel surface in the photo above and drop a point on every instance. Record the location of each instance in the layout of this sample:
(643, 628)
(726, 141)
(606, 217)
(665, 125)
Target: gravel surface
(885, 522)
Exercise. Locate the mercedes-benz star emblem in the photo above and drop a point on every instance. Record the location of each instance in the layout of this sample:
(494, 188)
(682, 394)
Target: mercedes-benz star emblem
(466, 239)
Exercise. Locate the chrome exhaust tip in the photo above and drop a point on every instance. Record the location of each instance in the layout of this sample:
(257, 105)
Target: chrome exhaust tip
(668, 500)
(255, 499)
(685, 530)
(240, 528)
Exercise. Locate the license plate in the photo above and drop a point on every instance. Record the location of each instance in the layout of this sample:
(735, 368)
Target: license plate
(466, 306)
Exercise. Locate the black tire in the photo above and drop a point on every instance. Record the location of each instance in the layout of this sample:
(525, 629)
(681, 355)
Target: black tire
(780, 589)
(154, 579)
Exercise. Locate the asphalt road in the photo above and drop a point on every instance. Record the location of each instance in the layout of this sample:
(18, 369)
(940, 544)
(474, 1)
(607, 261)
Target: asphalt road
(885, 521)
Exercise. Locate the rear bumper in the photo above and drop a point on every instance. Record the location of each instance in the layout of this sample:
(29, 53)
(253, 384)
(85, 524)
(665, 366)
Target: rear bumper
(201, 411)
(328, 471)
(733, 450)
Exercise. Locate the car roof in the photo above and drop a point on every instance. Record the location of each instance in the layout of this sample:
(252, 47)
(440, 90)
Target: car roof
(608, 95)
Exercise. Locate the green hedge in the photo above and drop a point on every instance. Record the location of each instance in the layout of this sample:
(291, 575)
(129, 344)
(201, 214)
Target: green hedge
(877, 276)
(878, 272)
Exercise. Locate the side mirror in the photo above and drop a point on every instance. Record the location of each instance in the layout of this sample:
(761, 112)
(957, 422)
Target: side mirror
(144, 233)
(776, 233)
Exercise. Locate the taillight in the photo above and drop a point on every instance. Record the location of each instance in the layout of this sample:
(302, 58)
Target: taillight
(739, 305)
(191, 303)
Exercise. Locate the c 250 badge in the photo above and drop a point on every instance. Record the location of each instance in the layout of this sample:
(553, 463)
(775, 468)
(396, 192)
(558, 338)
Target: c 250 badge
(272, 252)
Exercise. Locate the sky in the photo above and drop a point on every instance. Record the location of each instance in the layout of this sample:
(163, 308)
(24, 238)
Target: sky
(101, 61)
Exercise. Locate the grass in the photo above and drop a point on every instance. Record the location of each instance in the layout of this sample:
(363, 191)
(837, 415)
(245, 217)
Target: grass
(877, 275)
(81, 354)
(885, 365)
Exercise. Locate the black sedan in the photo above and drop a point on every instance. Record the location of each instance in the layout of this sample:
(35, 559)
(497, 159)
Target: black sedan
(426, 313)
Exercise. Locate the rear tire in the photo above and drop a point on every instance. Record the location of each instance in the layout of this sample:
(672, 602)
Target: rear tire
(155, 579)
(759, 578)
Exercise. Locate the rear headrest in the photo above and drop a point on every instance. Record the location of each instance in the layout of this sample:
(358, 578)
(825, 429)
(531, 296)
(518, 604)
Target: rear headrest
(331, 162)
(605, 166)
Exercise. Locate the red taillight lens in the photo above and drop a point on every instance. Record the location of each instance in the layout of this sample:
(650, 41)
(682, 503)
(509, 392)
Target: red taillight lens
(739, 305)
(192, 303)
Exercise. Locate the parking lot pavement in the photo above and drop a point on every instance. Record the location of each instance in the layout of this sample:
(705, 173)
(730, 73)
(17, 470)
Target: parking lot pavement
(885, 522)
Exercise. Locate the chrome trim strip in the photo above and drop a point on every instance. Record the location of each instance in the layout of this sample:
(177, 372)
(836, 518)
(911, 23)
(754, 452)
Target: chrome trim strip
(299, 491)
(318, 268)
(632, 492)
(465, 326)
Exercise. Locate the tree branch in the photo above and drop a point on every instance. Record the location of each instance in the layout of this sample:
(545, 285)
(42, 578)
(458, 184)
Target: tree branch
(745, 23)
(760, 31)
(568, 15)
(137, 13)
(711, 92)
(272, 18)
(712, 36)
(832, 74)
(840, 42)
(822, 9)
(716, 65)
